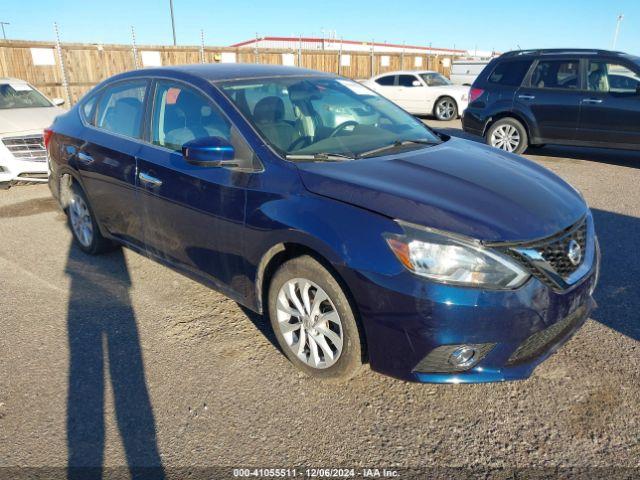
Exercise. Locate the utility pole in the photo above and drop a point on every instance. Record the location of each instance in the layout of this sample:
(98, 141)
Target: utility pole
(2, 24)
(615, 35)
(173, 22)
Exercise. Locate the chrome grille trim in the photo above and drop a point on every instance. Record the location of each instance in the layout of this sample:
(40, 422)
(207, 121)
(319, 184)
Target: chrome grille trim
(547, 261)
(28, 147)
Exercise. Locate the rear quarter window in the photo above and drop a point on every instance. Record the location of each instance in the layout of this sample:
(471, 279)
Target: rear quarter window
(509, 74)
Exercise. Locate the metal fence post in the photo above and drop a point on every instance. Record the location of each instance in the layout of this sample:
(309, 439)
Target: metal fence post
(63, 70)
(300, 50)
(340, 59)
(134, 47)
(202, 46)
(371, 59)
(402, 57)
(256, 54)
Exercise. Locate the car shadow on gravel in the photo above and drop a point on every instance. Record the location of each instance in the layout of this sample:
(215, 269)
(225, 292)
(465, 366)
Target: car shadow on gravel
(104, 345)
(617, 291)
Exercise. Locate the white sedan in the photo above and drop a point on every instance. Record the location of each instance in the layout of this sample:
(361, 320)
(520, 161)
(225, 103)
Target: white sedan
(422, 93)
(24, 114)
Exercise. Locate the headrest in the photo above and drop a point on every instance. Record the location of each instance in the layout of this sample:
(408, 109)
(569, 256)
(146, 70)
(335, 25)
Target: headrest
(269, 110)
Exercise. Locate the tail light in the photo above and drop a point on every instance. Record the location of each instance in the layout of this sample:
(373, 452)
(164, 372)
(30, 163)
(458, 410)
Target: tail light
(474, 94)
(46, 137)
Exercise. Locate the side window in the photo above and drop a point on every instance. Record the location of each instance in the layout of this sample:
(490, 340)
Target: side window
(556, 74)
(387, 81)
(182, 114)
(611, 77)
(87, 110)
(407, 80)
(510, 74)
(120, 108)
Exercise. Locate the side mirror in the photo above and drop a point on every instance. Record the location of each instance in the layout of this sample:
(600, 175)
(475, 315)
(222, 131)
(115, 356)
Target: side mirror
(58, 102)
(209, 152)
(416, 83)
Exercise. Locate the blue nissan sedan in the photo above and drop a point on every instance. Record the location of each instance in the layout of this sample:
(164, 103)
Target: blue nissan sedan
(362, 235)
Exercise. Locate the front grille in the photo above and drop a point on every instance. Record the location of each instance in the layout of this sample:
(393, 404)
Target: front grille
(554, 250)
(30, 147)
(541, 341)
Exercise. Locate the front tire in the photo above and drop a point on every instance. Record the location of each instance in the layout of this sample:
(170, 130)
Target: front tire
(83, 225)
(508, 134)
(313, 320)
(446, 109)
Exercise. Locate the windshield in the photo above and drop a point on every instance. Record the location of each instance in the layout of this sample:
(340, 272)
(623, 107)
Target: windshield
(307, 116)
(21, 95)
(435, 79)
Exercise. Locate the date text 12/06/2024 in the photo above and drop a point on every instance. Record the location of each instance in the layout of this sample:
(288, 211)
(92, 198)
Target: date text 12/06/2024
(315, 473)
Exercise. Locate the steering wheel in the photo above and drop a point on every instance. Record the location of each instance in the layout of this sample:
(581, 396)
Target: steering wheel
(306, 140)
(342, 126)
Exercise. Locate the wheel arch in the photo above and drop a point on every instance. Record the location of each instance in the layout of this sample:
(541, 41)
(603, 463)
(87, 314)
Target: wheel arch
(280, 253)
(509, 114)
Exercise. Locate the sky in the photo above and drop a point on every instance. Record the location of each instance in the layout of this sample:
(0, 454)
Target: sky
(498, 25)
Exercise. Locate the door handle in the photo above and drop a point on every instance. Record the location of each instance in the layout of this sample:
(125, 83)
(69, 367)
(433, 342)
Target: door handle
(526, 97)
(592, 101)
(149, 180)
(84, 157)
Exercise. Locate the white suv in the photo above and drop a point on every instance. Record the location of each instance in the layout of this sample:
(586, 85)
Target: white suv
(422, 93)
(24, 114)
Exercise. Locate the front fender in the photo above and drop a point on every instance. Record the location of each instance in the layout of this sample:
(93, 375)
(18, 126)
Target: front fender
(348, 237)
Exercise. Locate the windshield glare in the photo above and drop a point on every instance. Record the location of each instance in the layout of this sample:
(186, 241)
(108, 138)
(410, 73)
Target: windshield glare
(21, 95)
(435, 79)
(310, 116)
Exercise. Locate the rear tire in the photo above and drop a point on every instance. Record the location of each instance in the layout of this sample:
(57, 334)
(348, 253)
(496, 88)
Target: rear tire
(446, 109)
(313, 321)
(508, 134)
(83, 225)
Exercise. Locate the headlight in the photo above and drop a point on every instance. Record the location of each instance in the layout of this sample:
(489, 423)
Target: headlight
(452, 259)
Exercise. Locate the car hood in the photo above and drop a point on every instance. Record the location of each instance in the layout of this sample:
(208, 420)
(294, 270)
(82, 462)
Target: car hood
(18, 120)
(458, 186)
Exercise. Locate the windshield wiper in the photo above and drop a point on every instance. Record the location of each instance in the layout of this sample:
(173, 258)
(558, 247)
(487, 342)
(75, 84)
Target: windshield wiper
(320, 157)
(396, 144)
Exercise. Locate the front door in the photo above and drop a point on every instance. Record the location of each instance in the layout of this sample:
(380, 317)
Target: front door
(193, 215)
(552, 99)
(411, 94)
(107, 158)
(610, 113)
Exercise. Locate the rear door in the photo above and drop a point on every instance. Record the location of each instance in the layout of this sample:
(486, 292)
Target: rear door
(193, 215)
(610, 113)
(107, 159)
(551, 97)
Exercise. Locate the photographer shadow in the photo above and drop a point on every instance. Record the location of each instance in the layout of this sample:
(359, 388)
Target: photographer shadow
(103, 339)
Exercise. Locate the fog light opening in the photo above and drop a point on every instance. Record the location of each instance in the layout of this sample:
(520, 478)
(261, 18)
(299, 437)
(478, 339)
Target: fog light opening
(462, 356)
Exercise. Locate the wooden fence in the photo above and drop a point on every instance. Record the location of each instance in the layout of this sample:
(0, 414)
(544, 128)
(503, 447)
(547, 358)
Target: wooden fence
(71, 70)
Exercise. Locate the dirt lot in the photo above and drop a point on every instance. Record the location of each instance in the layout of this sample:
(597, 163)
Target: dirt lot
(190, 379)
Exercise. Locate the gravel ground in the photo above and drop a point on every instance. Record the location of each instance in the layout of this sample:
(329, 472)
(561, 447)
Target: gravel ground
(191, 379)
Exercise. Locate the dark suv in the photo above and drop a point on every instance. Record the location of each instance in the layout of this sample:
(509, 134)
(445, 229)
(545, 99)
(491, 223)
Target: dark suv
(570, 97)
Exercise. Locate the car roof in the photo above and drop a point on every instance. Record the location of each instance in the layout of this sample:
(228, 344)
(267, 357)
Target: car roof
(215, 72)
(405, 72)
(560, 52)
(11, 80)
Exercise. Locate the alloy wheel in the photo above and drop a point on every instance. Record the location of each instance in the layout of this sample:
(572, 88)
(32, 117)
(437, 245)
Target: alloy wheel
(81, 220)
(445, 109)
(505, 137)
(309, 323)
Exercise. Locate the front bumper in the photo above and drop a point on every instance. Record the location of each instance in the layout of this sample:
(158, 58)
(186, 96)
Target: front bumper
(21, 170)
(406, 318)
